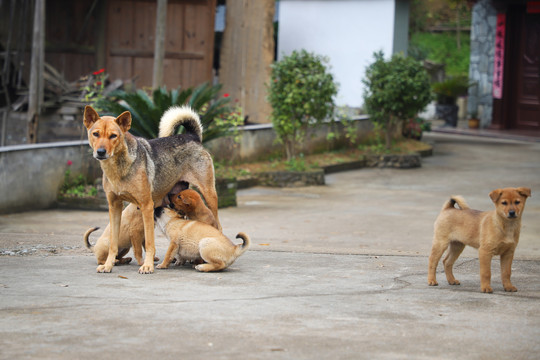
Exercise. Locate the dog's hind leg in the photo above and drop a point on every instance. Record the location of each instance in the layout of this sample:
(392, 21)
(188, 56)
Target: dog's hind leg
(204, 180)
(438, 248)
(455, 249)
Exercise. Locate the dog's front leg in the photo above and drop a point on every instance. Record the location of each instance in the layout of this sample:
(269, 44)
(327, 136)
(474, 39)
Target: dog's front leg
(115, 218)
(506, 270)
(150, 247)
(485, 270)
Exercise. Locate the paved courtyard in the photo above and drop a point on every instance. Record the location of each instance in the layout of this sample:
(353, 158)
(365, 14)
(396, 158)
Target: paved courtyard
(337, 271)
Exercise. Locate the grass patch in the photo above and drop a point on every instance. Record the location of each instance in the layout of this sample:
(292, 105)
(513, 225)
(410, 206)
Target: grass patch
(314, 161)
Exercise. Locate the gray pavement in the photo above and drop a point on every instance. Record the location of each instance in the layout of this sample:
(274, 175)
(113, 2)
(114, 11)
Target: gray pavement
(337, 271)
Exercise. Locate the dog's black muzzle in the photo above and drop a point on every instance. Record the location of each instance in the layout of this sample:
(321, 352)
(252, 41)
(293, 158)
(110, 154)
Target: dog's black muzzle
(512, 214)
(101, 154)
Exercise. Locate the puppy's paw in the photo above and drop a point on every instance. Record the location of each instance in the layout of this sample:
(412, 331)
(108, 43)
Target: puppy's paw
(104, 269)
(487, 289)
(433, 283)
(162, 266)
(510, 288)
(454, 282)
(146, 269)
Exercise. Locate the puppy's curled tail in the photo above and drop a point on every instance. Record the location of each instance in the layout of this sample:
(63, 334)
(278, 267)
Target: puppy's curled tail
(240, 249)
(177, 116)
(456, 199)
(87, 235)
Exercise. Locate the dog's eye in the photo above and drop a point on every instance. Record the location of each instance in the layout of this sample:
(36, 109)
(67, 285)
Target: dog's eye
(113, 136)
(504, 203)
(96, 134)
(517, 202)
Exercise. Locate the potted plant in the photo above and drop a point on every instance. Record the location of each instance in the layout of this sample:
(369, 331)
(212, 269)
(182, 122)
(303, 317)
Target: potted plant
(474, 121)
(447, 92)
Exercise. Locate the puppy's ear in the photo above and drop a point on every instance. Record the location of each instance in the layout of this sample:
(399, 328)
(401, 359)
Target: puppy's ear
(523, 191)
(124, 121)
(90, 116)
(495, 195)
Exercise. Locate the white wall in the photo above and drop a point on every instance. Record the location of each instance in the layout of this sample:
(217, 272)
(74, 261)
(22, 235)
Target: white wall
(347, 31)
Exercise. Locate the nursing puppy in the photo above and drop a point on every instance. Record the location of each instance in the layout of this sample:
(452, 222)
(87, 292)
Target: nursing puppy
(190, 204)
(491, 232)
(195, 241)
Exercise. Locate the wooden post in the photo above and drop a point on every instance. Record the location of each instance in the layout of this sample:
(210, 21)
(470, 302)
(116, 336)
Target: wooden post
(246, 55)
(159, 49)
(35, 91)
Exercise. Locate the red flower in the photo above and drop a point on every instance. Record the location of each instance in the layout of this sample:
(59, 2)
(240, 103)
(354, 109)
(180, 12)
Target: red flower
(226, 95)
(69, 163)
(98, 83)
(98, 72)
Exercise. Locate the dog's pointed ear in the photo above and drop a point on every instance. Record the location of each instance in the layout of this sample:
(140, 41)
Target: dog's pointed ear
(523, 191)
(495, 195)
(124, 121)
(90, 116)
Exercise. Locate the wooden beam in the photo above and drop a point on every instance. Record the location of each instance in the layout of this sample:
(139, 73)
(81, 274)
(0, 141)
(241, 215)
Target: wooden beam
(159, 50)
(179, 55)
(37, 62)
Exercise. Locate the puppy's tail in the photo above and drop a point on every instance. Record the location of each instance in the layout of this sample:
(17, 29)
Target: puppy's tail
(456, 199)
(87, 235)
(240, 249)
(177, 116)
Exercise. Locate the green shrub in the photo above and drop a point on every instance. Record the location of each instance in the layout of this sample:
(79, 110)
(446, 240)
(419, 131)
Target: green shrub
(301, 93)
(217, 117)
(396, 90)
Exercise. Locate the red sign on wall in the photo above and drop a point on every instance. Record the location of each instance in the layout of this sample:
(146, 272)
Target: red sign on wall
(498, 66)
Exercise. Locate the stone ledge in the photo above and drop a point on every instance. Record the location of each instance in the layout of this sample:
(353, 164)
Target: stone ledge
(291, 178)
(408, 161)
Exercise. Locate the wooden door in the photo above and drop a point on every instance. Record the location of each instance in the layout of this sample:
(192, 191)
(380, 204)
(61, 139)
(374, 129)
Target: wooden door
(526, 99)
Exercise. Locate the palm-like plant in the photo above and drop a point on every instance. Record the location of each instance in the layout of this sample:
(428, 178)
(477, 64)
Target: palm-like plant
(146, 111)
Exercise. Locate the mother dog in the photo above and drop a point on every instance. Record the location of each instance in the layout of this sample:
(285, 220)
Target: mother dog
(143, 171)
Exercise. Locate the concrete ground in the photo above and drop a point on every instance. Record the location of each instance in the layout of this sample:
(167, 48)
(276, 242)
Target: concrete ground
(337, 271)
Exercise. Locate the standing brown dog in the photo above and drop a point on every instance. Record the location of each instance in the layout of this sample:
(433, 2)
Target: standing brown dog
(189, 203)
(143, 171)
(491, 232)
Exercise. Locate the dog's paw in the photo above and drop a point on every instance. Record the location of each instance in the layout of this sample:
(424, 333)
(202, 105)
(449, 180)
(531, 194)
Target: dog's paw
(487, 289)
(433, 283)
(511, 288)
(146, 269)
(454, 282)
(162, 266)
(104, 269)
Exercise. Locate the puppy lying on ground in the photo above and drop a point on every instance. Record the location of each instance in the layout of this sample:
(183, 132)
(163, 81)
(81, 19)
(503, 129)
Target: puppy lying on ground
(195, 241)
(131, 234)
(491, 232)
(190, 204)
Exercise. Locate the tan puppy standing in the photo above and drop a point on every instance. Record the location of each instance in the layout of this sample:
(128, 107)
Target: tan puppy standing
(491, 232)
(195, 241)
(189, 203)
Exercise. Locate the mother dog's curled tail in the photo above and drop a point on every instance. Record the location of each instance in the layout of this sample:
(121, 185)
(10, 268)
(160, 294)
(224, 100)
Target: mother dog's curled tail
(176, 116)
